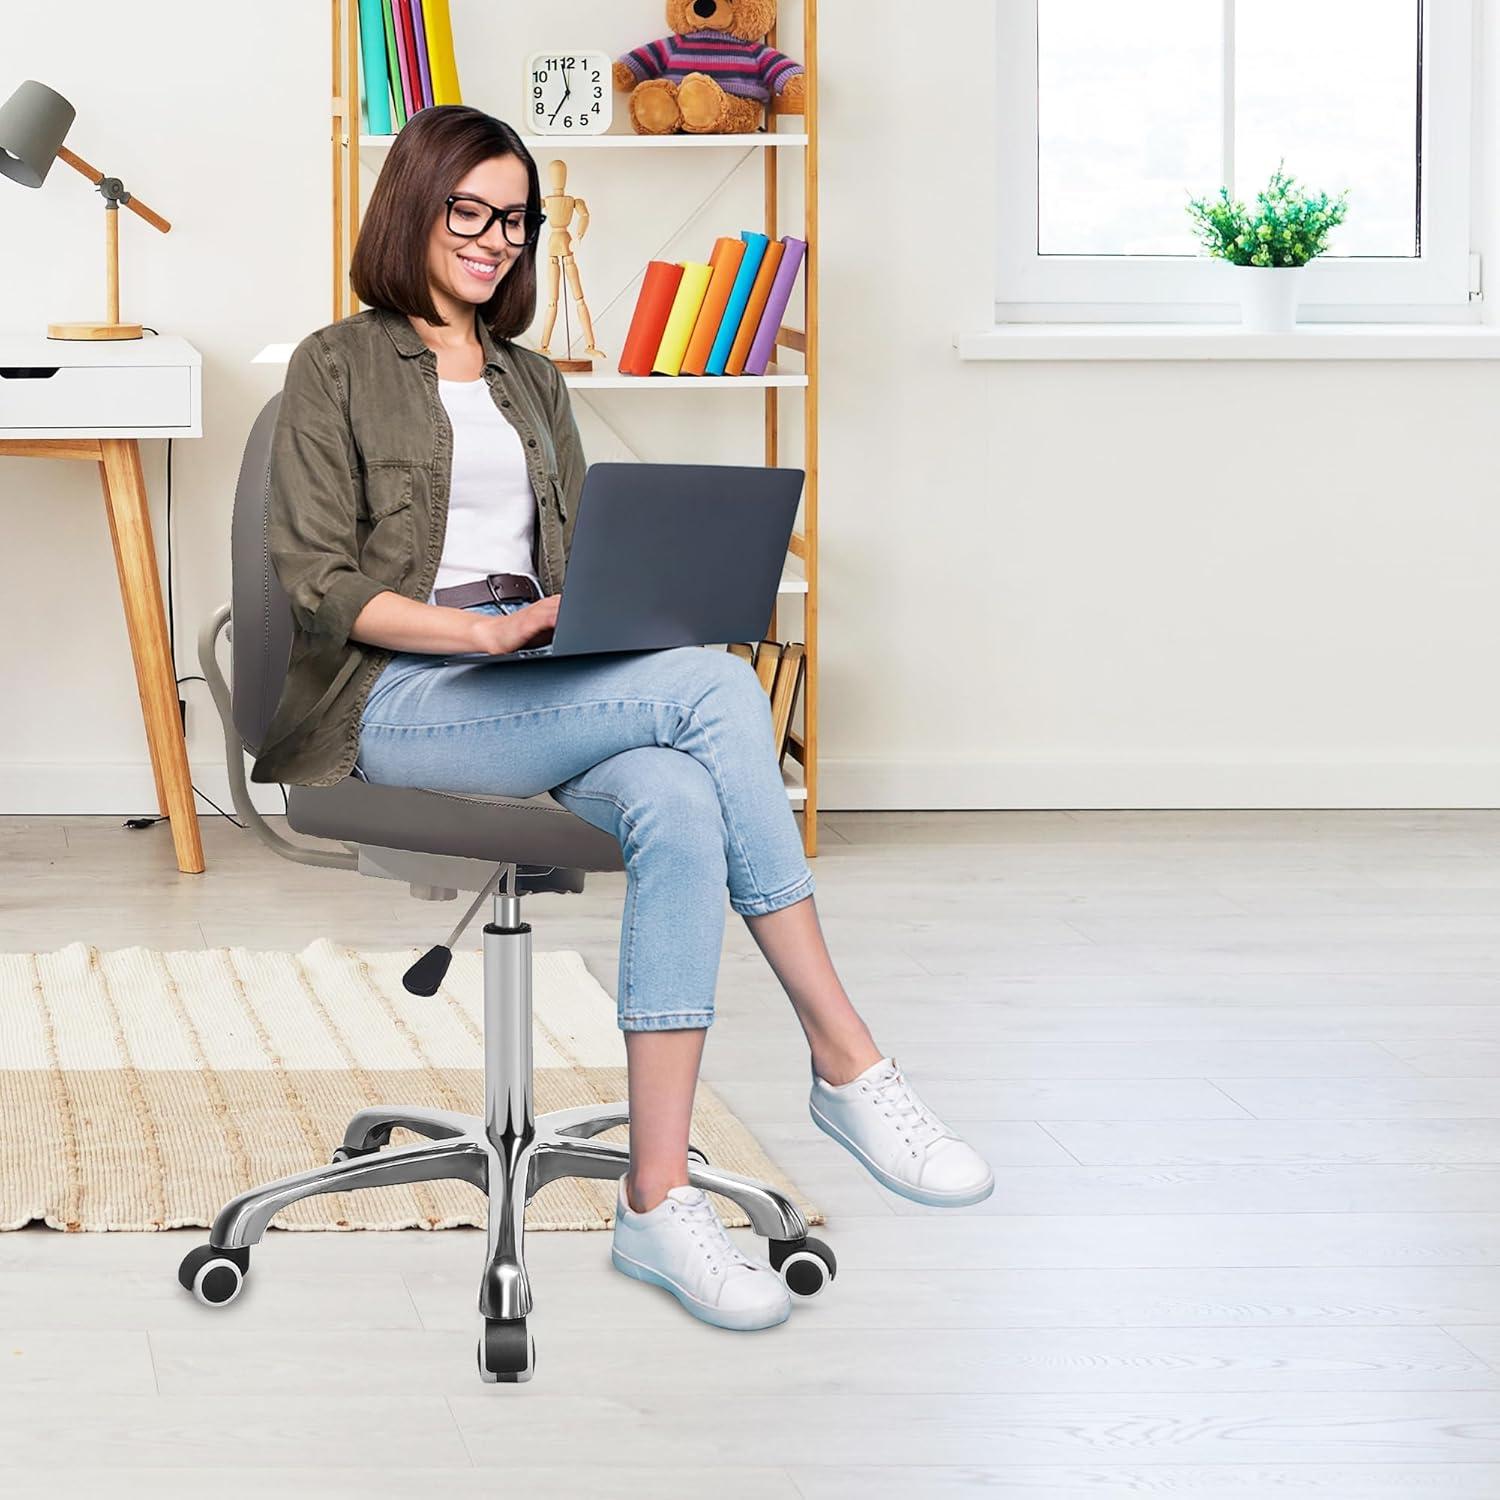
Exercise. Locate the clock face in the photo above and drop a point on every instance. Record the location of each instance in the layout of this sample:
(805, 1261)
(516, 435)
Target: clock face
(569, 93)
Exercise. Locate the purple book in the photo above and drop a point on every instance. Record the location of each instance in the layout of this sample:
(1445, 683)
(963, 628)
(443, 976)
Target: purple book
(419, 30)
(781, 293)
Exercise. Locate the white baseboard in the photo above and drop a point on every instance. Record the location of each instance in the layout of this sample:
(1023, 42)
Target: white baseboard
(105, 787)
(858, 785)
(1074, 781)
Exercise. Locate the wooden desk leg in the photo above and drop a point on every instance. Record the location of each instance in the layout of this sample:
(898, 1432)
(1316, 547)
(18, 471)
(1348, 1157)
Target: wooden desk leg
(140, 592)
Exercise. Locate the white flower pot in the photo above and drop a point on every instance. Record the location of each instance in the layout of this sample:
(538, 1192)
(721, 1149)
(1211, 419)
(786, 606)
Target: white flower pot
(1268, 296)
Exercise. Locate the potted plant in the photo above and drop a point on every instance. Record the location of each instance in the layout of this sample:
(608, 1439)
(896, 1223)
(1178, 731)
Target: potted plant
(1269, 248)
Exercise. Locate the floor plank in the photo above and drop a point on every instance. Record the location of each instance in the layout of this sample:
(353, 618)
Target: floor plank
(1234, 1071)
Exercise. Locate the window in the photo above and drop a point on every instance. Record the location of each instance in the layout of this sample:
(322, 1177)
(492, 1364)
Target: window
(1113, 113)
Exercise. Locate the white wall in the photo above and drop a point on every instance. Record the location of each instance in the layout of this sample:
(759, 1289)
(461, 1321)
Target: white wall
(1115, 584)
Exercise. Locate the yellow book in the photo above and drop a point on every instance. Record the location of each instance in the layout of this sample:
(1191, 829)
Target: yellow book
(685, 307)
(440, 61)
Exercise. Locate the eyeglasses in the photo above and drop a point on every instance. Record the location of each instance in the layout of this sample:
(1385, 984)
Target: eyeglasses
(471, 217)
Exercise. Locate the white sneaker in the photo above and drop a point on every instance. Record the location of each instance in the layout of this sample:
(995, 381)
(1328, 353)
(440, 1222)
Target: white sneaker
(880, 1120)
(682, 1245)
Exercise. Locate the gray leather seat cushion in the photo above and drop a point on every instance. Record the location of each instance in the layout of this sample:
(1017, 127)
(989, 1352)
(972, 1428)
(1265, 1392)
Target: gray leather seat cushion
(525, 830)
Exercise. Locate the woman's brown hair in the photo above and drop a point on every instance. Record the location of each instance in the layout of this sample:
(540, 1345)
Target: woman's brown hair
(435, 149)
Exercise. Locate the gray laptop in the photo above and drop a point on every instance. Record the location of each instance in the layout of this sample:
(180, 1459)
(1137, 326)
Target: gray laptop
(671, 555)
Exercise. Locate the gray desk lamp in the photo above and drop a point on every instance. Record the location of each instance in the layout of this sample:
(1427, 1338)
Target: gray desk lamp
(33, 122)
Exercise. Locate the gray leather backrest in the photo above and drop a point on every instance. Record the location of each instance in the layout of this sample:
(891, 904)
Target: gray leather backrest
(261, 615)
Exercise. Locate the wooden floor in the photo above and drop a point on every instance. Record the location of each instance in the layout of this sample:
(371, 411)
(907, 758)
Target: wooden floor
(1237, 1074)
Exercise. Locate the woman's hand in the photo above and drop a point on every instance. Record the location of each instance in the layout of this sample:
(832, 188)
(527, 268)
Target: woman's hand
(531, 625)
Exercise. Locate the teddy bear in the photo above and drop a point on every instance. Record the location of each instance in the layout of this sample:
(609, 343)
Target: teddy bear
(714, 74)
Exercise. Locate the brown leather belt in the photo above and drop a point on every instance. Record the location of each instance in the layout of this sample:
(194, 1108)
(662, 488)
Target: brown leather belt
(492, 589)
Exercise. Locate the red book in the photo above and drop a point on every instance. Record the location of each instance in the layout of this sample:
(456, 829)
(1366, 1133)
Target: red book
(413, 65)
(411, 81)
(652, 309)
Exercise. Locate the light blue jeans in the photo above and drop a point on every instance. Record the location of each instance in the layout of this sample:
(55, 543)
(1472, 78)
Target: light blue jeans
(670, 751)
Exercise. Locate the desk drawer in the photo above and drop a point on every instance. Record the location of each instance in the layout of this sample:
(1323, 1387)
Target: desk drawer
(100, 396)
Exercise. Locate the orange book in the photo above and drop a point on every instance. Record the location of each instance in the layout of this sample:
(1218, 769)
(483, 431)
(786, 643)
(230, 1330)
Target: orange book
(652, 309)
(727, 254)
(759, 295)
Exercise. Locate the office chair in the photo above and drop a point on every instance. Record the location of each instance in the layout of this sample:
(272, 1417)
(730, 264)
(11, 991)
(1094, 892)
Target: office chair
(439, 844)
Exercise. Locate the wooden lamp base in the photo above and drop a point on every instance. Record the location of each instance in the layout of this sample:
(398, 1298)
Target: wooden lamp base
(94, 330)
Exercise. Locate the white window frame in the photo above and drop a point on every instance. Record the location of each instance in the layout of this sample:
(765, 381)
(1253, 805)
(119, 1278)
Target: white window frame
(1437, 286)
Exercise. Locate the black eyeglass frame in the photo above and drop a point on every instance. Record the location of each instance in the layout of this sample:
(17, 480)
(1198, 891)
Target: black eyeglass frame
(534, 220)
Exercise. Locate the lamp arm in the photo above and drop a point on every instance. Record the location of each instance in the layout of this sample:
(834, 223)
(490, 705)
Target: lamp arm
(128, 200)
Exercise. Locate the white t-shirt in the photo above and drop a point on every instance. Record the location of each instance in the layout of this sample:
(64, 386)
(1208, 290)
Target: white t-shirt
(491, 508)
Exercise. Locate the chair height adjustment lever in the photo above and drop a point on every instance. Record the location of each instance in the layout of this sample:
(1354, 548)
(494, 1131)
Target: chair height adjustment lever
(426, 975)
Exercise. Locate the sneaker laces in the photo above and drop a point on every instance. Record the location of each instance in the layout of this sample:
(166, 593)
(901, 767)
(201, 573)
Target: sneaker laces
(699, 1215)
(918, 1125)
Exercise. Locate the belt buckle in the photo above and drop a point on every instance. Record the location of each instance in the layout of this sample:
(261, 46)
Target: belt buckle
(489, 580)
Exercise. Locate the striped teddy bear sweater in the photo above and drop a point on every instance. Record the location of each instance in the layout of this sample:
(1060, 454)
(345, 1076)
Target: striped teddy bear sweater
(749, 69)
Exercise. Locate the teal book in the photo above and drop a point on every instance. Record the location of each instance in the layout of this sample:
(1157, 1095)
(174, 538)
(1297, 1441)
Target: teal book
(377, 92)
(739, 296)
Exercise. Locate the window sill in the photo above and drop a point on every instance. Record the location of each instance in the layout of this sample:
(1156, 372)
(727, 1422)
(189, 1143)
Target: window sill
(1049, 341)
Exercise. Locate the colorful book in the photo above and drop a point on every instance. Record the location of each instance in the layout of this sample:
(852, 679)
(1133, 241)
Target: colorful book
(759, 295)
(739, 298)
(728, 252)
(399, 82)
(419, 46)
(685, 307)
(402, 16)
(440, 52)
(781, 293)
(393, 63)
(413, 76)
(652, 309)
(377, 89)
(364, 111)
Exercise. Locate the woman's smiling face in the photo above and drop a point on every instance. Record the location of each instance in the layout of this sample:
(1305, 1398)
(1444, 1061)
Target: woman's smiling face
(464, 272)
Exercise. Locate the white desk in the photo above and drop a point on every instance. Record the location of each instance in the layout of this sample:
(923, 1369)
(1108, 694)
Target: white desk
(93, 400)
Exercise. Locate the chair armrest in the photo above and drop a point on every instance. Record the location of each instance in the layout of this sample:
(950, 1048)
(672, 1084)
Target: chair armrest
(339, 857)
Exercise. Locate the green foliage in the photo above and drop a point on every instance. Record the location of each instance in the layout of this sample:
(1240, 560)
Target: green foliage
(1289, 228)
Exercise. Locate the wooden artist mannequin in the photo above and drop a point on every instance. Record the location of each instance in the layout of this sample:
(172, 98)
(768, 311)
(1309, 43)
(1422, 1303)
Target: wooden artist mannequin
(560, 209)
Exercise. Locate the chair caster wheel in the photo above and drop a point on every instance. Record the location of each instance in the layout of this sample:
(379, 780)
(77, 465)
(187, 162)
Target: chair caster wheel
(350, 1153)
(506, 1351)
(806, 1266)
(214, 1276)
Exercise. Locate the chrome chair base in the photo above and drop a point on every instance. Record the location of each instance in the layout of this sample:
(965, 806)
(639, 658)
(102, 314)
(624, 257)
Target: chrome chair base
(508, 1155)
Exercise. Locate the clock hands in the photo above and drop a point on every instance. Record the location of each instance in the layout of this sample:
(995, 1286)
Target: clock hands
(567, 74)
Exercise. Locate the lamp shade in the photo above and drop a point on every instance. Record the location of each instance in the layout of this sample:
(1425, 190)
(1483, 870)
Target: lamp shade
(33, 124)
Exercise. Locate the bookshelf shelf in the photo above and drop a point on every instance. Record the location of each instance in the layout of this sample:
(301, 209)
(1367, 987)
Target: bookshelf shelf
(800, 769)
(609, 380)
(604, 381)
(537, 144)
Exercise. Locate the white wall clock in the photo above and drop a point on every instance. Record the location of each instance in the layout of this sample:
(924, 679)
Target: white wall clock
(569, 93)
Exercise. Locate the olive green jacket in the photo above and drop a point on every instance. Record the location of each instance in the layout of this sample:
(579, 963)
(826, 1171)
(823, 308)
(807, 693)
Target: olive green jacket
(361, 461)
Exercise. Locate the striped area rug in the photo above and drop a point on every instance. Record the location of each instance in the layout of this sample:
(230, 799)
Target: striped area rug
(141, 1090)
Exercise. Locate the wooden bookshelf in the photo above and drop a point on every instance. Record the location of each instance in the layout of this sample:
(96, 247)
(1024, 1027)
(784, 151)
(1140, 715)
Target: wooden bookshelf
(346, 146)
